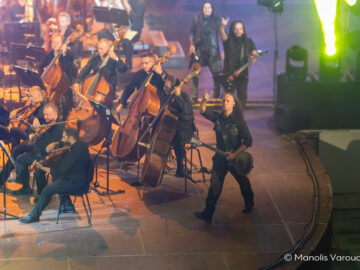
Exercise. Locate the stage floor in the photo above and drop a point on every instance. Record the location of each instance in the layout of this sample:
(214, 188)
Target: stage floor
(160, 231)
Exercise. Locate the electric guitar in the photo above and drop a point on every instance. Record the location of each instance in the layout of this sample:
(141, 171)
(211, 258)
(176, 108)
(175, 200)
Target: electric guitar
(243, 162)
(227, 80)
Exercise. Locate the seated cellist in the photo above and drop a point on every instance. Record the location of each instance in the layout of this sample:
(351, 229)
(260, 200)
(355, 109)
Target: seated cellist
(67, 66)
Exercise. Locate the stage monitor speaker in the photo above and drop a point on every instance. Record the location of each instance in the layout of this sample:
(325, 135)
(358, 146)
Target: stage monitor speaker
(316, 105)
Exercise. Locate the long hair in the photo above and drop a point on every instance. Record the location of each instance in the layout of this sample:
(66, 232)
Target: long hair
(213, 19)
(232, 38)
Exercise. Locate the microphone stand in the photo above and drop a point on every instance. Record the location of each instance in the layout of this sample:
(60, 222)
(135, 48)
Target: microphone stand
(4, 184)
(98, 106)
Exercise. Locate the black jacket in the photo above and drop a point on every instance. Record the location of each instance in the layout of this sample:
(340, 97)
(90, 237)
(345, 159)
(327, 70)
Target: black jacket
(66, 63)
(74, 165)
(137, 81)
(230, 135)
(54, 134)
(109, 71)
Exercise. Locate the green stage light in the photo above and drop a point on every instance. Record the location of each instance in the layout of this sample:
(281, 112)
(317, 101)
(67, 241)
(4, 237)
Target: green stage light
(327, 14)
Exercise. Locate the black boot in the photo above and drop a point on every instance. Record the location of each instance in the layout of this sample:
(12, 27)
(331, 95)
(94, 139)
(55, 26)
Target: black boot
(29, 219)
(248, 208)
(207, 214)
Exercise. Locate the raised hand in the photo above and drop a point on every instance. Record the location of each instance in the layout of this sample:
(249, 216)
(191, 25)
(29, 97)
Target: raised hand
(224, 21)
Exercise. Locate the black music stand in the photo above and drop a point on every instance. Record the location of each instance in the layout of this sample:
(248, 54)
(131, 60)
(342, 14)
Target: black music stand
(29, 77)
(20, 51)
(28, 32)
(106, 143)
(111, 15)
(4, 185)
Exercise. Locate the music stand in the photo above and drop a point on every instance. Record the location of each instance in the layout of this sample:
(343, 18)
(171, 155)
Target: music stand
(98, 106)
(20, 51)
(4, 184)
(22, 32)
(29, 77)
(111, 15)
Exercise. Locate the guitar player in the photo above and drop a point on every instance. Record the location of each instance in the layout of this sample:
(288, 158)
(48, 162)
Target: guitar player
(237, 49)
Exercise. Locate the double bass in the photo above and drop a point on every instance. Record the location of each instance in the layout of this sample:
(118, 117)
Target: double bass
(144, 106)
(92, 122)
(54, 78)
(159, 147)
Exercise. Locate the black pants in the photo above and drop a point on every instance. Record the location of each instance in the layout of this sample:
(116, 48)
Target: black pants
(240, 85)
(128, 48)
(220, 168)
(23, 162)
(214, 64)
(16, 135)
(180, 138)
(59, 185)
(40, 178)
(17, 151)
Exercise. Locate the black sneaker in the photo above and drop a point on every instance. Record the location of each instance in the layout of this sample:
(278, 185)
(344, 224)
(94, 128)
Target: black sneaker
(203, 216)
(248, 208)
(23, 191)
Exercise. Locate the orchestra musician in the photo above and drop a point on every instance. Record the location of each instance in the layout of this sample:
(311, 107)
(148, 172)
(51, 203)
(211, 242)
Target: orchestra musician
(185, 126)
(32, 114)
(33, 149)
(67, 66)
(68, 174)
(64, 20)
(148, 61)
(108, 71)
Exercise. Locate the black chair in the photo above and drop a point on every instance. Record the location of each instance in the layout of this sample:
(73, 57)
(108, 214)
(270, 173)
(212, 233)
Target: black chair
(189, 171)
(80, 193)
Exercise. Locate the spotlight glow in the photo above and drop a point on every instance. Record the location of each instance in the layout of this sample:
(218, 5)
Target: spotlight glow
(327, 13)
(350, 2)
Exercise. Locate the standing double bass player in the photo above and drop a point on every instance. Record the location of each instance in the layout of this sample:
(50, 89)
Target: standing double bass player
(108, 71)
(60, 75)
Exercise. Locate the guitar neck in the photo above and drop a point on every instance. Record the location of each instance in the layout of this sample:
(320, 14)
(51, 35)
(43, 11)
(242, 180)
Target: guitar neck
(208, 146)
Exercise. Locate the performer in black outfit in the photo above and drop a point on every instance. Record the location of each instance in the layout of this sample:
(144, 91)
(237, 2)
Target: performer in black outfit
(66, 30)
(204, 43)
(136, 12)
(108, 71)
(185, 125)
(69, 173)
(26, 153)
(157, 80)
(237, 49)
(67, 66)
(232, 137)
(36, 102)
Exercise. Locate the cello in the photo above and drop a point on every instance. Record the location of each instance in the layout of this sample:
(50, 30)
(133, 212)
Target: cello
(93, 123)
(144, 106)
(159, 147)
